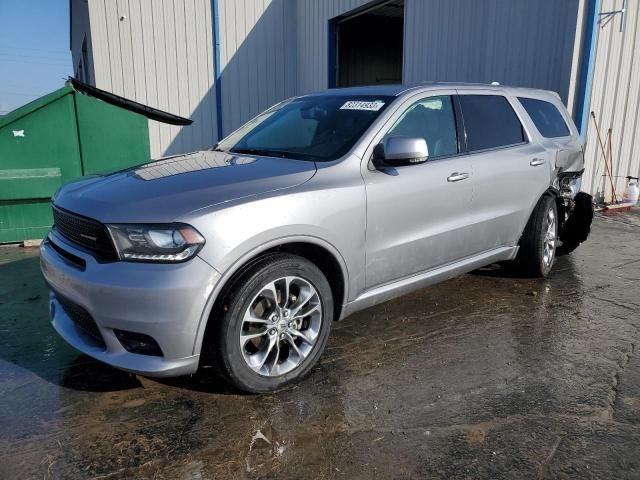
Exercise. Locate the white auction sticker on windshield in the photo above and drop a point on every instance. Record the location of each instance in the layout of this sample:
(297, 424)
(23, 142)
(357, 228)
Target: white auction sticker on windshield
(360, 105)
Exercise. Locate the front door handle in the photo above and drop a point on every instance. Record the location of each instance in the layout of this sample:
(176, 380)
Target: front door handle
(456, 177)
(536, 161)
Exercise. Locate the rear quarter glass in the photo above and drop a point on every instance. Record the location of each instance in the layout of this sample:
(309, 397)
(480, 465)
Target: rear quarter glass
(546, 117)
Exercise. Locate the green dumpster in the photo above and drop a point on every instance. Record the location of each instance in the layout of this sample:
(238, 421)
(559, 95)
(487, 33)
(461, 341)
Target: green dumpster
(74, 131)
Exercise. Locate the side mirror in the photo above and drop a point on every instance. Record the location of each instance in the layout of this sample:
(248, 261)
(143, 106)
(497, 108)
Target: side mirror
(400, 151)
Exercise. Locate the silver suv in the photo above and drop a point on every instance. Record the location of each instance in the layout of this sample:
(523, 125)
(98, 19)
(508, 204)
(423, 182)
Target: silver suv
(322, 205)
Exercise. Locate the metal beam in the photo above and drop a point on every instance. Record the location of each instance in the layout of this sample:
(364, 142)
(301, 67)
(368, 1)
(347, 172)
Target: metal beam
(218, 71)
(587, 67)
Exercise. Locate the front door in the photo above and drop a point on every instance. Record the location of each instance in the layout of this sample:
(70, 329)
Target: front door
(418, 215)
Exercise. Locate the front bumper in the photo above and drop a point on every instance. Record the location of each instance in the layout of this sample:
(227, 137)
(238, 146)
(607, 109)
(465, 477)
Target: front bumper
(164, 301)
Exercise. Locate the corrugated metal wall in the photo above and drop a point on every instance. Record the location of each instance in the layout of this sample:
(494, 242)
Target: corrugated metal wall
(80, 31)
(161, 55)
(514, 42)
(257, 57)
(312, 17)
(615, 99)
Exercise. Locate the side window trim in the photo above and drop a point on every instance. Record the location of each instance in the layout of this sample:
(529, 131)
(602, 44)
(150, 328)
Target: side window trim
(460, 129)
(525, 134)
(501, 147)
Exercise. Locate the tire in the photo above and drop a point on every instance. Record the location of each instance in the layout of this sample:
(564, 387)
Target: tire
(578, 225)
(239, 360)
(535, 257)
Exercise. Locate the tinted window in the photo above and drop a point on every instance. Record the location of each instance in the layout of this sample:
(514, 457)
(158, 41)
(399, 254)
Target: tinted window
(433, 119)
(317, 127)
(490, 122)
(546, 117)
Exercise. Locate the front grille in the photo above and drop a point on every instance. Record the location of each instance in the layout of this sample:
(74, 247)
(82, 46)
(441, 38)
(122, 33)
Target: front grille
(86, 232)
(83, 319)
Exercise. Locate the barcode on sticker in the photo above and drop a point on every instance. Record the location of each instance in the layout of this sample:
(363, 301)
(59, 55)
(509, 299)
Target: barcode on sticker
(360, 105)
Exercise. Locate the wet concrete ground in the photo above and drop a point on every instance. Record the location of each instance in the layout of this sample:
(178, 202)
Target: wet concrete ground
(484, 376)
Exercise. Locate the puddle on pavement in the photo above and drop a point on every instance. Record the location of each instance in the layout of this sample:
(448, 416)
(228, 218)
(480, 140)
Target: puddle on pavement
(480, 374)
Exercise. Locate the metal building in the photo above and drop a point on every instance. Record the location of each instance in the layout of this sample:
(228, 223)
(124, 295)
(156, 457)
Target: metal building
(220, 62)
(615, 96)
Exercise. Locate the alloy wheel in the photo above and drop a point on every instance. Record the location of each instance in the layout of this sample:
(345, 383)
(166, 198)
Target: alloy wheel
(281, 325)
(549, 243)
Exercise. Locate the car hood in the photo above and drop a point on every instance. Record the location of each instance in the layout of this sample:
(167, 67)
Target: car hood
(164, 190)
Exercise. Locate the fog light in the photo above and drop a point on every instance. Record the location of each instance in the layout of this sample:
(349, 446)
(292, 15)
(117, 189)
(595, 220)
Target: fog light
(138, 343)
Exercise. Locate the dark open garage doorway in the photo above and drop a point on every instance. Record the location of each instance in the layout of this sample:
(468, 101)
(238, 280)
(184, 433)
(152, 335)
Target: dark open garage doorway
(366, 45)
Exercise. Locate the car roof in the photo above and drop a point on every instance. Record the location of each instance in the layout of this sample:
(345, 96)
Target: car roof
(395, 90)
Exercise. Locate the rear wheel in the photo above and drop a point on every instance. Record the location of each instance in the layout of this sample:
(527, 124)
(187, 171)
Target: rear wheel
(276, 324)
(539, 240)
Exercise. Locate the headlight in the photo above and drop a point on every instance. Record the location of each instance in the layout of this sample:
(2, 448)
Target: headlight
(163, 243)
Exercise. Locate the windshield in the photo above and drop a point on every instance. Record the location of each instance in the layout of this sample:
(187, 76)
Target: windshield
(319, 128)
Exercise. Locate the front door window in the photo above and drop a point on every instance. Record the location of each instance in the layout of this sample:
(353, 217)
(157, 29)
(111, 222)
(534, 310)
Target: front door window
(433, 119)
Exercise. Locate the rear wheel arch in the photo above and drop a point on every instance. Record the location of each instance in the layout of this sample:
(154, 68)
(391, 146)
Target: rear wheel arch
(322, 254)
(561, 205)
(538, 242)
(552, 192)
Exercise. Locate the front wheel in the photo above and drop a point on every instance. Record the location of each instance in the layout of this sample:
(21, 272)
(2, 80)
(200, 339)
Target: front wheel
(276, 324)
(539, 240)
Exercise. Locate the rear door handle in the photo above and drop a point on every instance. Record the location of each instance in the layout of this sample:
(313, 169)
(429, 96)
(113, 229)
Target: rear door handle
(456, 177)
(536, 161)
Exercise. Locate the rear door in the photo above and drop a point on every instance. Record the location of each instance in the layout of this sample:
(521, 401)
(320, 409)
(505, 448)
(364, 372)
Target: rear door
(511, 170)
(418, 216)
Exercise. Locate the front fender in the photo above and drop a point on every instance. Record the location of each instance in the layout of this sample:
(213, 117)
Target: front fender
(237, 233)
(252, 250)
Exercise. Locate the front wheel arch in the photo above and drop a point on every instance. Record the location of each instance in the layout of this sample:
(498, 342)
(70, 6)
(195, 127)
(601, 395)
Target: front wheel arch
(325, 256)
(240, 367)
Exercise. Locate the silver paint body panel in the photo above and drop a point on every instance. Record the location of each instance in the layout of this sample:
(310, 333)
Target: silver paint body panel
(165, 301)
(390, 231)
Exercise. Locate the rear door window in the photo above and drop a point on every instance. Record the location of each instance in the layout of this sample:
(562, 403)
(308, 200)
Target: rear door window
(433, 119)
(546, 117)
(490, 122)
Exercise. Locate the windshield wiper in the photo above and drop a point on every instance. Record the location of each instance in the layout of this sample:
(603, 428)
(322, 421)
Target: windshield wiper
(274, 153)
(265, 152)
(216, 148)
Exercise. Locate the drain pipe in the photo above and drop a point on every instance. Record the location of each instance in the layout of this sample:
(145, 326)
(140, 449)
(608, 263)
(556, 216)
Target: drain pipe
(217, 70)
(587, 66)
